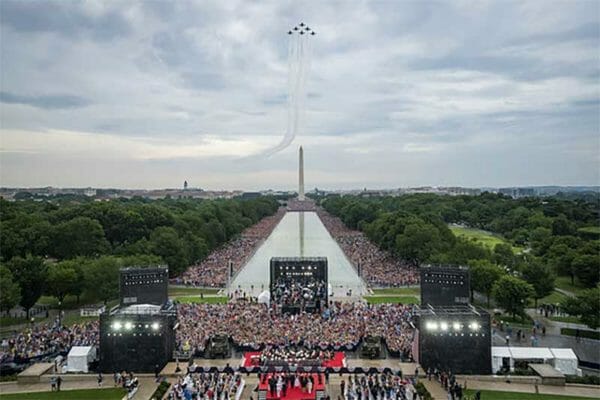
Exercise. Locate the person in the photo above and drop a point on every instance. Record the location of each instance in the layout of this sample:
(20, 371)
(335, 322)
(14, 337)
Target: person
(156, 372)
(100, 378)
(58, 383)
(53, 384)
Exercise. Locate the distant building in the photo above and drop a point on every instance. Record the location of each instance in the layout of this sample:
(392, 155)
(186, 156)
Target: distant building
(250, 195)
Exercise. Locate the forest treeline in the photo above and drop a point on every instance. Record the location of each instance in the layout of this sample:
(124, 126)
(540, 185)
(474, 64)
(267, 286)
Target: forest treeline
(558, 237)
(64, 248)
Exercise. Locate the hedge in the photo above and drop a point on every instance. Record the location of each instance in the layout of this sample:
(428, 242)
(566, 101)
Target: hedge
(582, 333)
(160, 391)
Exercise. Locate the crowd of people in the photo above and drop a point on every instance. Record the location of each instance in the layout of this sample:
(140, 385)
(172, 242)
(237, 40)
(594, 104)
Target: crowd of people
(377, 267)
(47, 340)
(449, 383)
(292, 355)
(280, 383)
(213, 270)
(378, 386)
(209, 386)
(340, 325)
(287, 291)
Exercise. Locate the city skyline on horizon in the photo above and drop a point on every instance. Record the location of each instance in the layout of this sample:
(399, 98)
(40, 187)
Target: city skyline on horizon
(149, 94)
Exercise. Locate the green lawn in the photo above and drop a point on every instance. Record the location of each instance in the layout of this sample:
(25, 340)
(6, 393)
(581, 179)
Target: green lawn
(495, 395)
(72, 319)
(392, 299)
(199, 300)
(184, 291)
(411, 291)
(552, 298)
(564, 283)
(526, 322)
(487, 239)
(83, 394)
(569, 319)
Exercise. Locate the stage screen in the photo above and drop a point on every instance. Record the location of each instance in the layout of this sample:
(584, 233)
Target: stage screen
(445, 286)
(299, 283)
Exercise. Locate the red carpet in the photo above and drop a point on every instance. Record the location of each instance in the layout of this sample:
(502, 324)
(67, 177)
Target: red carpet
(336, 362)
(294, 393)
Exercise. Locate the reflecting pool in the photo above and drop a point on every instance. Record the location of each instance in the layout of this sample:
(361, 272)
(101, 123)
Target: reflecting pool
(299, 234)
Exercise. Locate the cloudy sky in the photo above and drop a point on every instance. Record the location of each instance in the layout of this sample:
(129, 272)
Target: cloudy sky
(148, 94)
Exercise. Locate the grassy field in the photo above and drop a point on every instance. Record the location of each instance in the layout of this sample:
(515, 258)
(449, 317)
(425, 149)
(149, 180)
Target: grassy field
(412, 291)
(199, 300)
(72, 319)
(525, 322)
(552, 298)
(83, 394)
(184, 291)
(569, 319)
(392, 299)
(484, 238)
(495, 395)
(564, 283)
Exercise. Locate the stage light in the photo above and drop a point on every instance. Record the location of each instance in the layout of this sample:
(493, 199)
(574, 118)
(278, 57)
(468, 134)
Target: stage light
(474, 326)
(117, 325)
(128, 325)
(444, 326)
(431, 326)
(456, 326)
(155, 326)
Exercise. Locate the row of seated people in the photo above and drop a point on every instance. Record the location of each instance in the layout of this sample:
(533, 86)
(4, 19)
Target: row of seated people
(206, 386)
(294, 355)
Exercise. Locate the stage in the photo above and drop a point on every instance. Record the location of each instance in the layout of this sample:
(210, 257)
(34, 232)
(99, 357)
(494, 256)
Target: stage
(292, 393)
(251, 359)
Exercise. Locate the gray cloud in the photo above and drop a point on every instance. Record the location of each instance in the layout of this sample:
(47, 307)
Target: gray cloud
(64, 18)
(487, 93)
(46, 102)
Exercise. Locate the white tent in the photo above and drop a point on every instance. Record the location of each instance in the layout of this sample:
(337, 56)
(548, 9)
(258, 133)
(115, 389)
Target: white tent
(80, 357)
(498, 354)
(565, 361)
(264, 297)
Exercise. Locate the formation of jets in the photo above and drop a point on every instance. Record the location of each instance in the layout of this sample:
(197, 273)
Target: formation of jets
(302, 29)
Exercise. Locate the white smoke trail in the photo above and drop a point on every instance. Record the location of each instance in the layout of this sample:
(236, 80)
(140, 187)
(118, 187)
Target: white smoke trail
(298, 66)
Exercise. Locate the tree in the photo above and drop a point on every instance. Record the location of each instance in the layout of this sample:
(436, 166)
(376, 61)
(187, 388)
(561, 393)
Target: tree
(503, 255)
(511, 294)
(560, 256)
(561, 226)
(418, 242)
(62, 280)
(31, 274)
(586, 306)
(81, 236)
(540, 276)
(102, 278)
(483, 276)
(165, 242)
(10, 292)
(587, 269)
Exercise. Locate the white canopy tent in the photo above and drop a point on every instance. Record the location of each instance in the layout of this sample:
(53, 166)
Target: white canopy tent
(264, 297)
(80, 357)
(564, 360)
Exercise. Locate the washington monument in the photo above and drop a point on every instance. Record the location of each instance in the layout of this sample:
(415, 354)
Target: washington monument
(301, 174)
